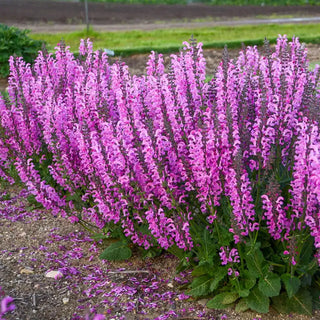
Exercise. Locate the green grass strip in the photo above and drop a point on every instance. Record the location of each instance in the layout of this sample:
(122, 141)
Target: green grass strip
(126, 43)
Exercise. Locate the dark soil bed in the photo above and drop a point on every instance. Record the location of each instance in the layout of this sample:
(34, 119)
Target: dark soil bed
(31, 11)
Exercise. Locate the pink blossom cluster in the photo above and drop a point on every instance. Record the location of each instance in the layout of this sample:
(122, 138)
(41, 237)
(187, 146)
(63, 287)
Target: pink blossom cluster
(229, 257)
(158, 149)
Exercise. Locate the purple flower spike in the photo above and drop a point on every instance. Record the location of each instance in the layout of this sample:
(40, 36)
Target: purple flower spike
(7, 305)
(99, 317)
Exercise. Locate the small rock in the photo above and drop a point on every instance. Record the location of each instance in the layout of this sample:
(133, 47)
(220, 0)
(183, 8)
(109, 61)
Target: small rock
(26, 270)
(170, 285)
(203, 302)
(56, 274)
(65, 300)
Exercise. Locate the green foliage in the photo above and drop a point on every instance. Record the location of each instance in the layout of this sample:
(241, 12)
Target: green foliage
(258, 301)
(242, 305)
(14, 41)
(11, 171)
(256, 263)
(222, 300)
(33, 203)
(291, 283)
(300, 303)
(270, 285)
(205, 284)
(266, 276)
(117, 251)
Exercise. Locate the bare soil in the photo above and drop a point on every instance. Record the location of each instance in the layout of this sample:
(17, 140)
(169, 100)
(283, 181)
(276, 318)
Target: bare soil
(32, 11)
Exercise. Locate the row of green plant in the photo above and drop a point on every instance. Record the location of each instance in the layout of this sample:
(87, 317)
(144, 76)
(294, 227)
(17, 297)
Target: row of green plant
(169, 40)
(14, 41)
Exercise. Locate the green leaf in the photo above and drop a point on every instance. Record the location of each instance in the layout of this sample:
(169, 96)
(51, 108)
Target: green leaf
(98, 236)
(281, 303)
(230, 297)
(257, 301)
(225, 236)
(270, 285)
(307, 251)
(176, 251)
(247, 280)
(152, 252)
(219, 274)
(218, 301)
(200, 286)
(256, 263)
(312, 267)
(315, 292)
(208, 247)
(243, 293)
(242, 306)
(203, 268)
(301, 302)
(117, 251)
(292, 284)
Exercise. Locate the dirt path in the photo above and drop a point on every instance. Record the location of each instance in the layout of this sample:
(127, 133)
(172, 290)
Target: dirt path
(208, 23)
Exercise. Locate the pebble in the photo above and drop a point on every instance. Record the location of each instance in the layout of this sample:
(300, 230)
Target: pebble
(203, 302)
(65, 300)
(170, 285)
(26, 270)
(56, 274)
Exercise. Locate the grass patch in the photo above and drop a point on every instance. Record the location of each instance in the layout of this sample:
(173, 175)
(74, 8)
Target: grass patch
(170, 40)
(312, 65)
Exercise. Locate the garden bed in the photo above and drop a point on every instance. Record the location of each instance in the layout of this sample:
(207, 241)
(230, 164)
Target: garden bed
(33, 242)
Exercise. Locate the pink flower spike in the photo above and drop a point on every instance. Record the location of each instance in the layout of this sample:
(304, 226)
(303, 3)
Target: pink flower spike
(99, 317)
(73, 219)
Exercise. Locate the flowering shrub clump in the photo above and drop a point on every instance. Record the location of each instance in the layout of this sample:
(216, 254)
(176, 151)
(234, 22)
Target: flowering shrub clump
(224, 174)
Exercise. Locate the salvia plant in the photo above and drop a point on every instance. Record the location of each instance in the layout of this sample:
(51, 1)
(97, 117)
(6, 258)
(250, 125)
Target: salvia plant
(224, 174)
